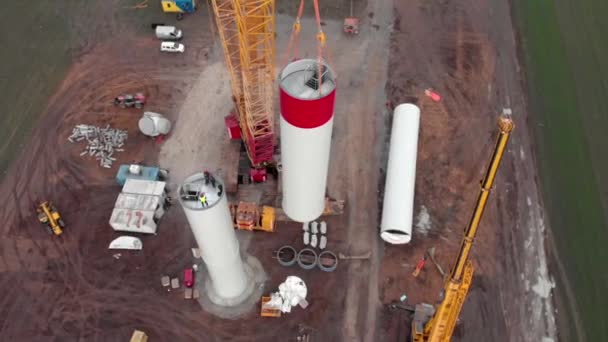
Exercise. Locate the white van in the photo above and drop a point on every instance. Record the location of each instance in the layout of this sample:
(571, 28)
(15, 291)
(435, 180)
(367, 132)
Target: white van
(168, 32)
(172, 47)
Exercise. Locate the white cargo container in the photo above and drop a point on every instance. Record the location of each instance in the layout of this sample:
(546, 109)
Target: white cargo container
(144, 187)
(141, 202)
(139, 207)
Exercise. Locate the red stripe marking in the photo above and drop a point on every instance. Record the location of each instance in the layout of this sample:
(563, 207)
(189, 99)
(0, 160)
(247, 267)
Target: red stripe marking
(307, 113)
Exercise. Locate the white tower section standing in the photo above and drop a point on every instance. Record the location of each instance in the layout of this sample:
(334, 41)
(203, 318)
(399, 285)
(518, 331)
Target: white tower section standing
(307, 112)
(398, 206)
(214, 233)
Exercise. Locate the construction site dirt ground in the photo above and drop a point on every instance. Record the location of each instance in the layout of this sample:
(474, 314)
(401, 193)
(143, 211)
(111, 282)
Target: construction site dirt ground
(73, 288)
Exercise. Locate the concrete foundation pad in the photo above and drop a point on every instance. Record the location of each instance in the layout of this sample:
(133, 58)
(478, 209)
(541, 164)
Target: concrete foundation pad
(231, 308)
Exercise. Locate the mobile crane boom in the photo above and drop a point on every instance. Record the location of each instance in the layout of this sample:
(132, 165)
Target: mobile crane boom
(440, 326)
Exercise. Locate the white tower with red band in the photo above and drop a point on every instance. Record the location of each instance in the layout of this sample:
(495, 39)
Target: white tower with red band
(307, 112)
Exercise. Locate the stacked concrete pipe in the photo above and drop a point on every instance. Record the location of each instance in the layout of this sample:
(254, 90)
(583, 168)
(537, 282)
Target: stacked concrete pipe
(307, 258)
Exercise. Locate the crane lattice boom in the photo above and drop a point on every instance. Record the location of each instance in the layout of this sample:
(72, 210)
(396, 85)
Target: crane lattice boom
(246, 30)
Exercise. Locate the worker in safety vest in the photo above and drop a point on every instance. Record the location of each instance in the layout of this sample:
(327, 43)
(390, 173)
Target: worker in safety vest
(203, 200)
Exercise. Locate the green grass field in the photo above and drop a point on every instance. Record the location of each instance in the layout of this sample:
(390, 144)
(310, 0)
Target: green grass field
(40, 39)
(35, 57)
(566, 57)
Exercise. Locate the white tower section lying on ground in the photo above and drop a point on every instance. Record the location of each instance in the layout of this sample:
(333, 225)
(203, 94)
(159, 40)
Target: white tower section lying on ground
(214, 233)
(307, 112)
(398, 207)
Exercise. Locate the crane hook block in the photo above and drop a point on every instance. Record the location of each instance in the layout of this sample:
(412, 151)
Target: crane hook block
(321, 38)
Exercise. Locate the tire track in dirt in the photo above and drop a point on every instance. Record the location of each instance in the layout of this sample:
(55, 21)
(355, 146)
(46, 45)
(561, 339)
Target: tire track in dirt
(51, 169)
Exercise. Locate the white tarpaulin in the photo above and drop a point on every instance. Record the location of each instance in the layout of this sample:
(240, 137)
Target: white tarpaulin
(126, 242)
(291, 292)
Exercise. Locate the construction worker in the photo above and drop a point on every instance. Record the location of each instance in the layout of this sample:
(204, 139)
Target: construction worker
(203, 200)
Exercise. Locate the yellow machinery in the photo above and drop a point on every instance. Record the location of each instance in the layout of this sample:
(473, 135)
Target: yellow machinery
(265, 312)
(438, 325)
(49, 216)
(247, 33)
(178, 6)
(247, 216)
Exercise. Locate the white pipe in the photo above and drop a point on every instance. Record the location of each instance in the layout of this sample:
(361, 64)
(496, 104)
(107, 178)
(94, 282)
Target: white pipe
(398, 206)
(313, 241)
(323, 227)
(314, 227)
(323, 242)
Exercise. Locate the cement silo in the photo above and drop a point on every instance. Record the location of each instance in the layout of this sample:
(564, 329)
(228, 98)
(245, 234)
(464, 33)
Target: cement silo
(307, 111)
(398, 205)
(204, 201)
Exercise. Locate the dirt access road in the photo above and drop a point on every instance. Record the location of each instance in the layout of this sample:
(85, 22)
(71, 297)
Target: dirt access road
(466, 50)
(75, 289)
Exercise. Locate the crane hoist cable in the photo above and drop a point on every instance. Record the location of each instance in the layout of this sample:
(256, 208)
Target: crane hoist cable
(321, 41)
(294, 40)
(294, 37)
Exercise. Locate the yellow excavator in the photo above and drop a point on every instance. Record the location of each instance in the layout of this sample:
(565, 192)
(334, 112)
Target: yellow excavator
(432, 324)
(50, 217)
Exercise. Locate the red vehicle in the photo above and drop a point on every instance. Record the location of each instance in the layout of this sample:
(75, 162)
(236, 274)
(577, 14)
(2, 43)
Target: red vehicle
(257, 175)
(127, 101)
(188, 277)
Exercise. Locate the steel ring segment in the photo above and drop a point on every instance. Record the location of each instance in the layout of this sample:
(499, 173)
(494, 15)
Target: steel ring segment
(307, 259)
(328, 267)
(291, 259)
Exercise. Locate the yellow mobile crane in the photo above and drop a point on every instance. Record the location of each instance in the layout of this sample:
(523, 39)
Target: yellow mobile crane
(430, 325)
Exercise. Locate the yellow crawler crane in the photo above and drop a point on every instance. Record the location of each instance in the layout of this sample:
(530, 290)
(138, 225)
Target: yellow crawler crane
(246, 29)
(430, 325)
